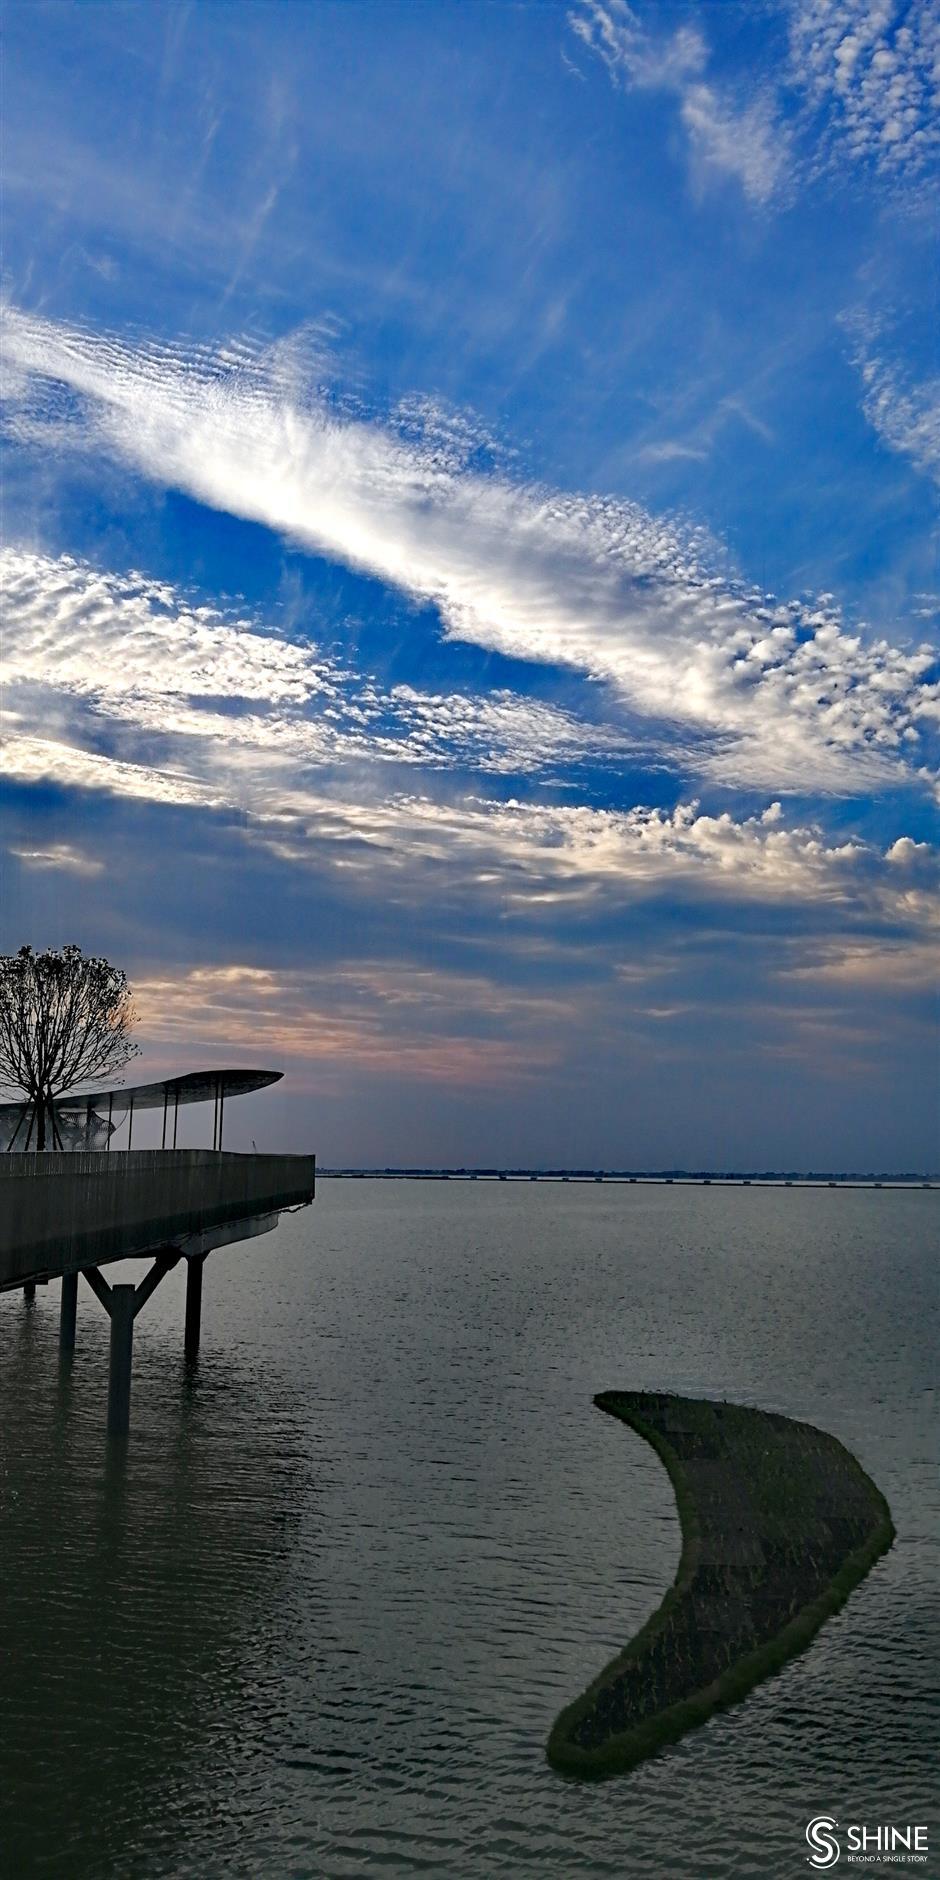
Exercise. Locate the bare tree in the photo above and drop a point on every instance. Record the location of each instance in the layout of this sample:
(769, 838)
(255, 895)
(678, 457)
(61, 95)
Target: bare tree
(64, 1018)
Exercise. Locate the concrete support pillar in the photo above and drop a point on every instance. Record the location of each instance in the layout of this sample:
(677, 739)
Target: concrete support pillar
(122, 1303)
(67, 1311)
(193, 1305)
(29, 1290)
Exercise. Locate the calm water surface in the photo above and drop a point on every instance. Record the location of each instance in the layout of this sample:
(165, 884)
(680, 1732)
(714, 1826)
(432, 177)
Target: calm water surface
(322, 1619)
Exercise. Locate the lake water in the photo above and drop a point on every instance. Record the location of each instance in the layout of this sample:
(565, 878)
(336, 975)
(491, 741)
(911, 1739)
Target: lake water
(321, 1621)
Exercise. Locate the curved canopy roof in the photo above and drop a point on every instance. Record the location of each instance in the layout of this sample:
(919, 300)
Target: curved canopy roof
(191, 1087)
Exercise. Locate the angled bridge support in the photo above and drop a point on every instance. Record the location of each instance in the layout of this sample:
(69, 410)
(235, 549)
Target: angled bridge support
(122, 1304)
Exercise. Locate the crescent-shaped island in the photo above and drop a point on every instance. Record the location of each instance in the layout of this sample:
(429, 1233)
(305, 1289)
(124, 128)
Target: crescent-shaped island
(779, 1524)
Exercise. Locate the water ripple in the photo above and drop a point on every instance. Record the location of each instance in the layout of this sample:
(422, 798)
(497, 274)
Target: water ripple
(320, 1623)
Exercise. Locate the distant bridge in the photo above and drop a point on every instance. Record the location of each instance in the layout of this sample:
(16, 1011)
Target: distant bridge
(681, 1178)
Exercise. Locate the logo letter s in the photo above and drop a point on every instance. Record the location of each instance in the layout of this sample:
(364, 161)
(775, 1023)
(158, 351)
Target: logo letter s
(822, 1840)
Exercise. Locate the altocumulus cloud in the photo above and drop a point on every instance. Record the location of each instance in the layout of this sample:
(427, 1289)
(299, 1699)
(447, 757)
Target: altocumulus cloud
(873, 66)
(864, 72)
(124, 686)
(779, 695)
(167, 665)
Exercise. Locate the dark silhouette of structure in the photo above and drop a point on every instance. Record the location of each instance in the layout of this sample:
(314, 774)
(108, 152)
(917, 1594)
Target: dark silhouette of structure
(66, 1213)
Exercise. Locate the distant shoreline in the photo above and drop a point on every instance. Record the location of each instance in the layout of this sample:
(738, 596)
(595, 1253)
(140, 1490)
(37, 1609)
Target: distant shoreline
(679, 1178)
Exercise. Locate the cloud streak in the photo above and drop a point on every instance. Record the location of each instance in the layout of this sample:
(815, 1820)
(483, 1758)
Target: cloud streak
(905, 413)
(770, 694)
(726, 138)
(386, 1018)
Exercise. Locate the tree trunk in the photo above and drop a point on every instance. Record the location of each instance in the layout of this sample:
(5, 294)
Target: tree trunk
(40, 1114)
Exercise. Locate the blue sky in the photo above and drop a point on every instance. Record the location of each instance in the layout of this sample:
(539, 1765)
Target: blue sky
(470, 563)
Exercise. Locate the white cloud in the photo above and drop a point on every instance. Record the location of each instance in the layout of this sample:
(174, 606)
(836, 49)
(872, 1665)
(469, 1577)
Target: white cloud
(698, 443)
(906, 851)
(745, 142)
(869, 71)
(905, 413)
(671, 450)
(508, 854)
(904, 965)
(28, 759)
(119, 688)
(146, 637)
(776, 695)
(727, 137)
(60, 856)
(91, 648)
(875, 64)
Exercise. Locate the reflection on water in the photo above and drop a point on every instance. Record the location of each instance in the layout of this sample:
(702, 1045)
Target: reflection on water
(320, 1617)
(140, 1584)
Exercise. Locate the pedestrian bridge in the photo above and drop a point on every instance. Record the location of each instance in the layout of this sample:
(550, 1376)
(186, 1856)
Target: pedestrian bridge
(64, 1214)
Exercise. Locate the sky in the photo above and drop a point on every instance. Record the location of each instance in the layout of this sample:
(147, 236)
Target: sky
(470, 564)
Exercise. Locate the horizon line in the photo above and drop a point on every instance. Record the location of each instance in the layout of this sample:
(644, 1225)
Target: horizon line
(695, 1177)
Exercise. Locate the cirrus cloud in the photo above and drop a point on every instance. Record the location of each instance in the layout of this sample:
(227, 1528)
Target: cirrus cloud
(728, 136)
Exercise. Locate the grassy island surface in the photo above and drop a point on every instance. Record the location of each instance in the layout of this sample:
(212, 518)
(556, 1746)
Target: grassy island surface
(779, 1523)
